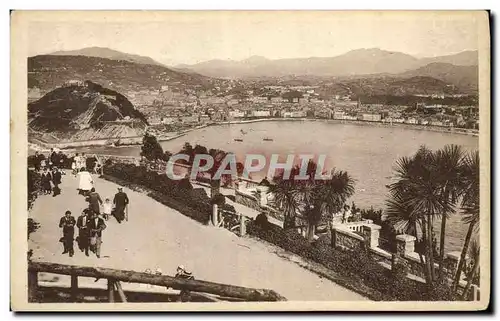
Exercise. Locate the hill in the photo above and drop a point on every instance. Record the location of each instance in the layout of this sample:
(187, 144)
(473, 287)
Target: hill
(85, 111)
(392, 86)
(464, 58)
(463, 77)
(101, 52)
(138, 82)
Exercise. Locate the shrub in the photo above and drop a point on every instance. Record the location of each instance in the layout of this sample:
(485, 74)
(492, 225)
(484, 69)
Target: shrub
(34, 185)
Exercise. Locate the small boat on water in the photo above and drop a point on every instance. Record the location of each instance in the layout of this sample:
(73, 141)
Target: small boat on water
(238, 140)
(267, 139)
(243, 132)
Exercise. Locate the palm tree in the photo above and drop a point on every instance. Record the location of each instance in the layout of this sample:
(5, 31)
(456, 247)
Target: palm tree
(448, 172)
(419, 188)
(333, 194)
(403, 218)
(474, 252)
(470, 206)
(284, 191)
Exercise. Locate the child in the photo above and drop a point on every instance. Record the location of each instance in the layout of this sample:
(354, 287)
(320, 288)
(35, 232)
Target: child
(107, 208)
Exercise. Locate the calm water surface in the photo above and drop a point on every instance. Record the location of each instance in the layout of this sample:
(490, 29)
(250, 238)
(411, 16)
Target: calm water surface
(367, 153)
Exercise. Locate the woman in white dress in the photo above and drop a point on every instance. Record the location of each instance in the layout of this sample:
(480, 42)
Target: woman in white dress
(86, 182)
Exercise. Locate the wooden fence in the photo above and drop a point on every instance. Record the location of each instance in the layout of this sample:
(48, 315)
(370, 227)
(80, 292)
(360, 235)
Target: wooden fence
(114, 277)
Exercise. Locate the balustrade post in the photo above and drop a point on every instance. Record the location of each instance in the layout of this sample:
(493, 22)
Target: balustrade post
(111, 291)
(215, 214)
(243, 227)
(32, 286)
(74, 287)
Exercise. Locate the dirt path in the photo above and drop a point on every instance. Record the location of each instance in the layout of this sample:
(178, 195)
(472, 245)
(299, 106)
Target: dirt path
(159, 237)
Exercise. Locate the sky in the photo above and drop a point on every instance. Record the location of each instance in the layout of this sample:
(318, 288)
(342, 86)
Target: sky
(190, 37)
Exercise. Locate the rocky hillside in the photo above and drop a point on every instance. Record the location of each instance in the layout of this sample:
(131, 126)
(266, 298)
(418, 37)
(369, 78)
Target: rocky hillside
(85, 111)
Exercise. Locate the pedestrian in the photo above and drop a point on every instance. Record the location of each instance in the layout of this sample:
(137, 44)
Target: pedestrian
(83, 232)
(107, 208)
(121, 205)
(75, 165)
(43, 162)
(95, 226)
(98, 165)
(56, 180)
(67, 223)
(85, 182)
(45, 181)
(62, 159)
(36, 161)
(54, 158)
(83, 161)
(95, 201)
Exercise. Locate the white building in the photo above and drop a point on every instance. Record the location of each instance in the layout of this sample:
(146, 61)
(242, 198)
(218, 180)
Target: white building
(372, 117)
(294, 114)
(236, 114)
(261, 113)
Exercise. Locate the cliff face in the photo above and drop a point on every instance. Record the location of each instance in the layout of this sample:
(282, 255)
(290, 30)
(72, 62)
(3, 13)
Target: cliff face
(85, 111)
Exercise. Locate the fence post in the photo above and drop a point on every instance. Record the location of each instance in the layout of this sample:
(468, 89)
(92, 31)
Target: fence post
(215, 214)
(111, 291)
(243, 227)
(32, 286)
(74, 287)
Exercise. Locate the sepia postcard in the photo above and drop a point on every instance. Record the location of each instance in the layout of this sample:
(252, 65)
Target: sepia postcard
(250, 160)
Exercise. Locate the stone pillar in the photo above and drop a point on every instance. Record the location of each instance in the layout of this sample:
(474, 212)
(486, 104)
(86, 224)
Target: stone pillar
(263, 194)
(243, 227)
(451, 263)
(371, 234)
(242, 185)
(215, 214)
(405, 244)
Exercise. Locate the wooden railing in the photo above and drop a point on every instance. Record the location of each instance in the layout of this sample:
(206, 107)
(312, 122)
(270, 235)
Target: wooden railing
(114, 278)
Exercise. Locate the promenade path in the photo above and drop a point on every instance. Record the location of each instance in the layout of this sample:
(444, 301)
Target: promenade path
(159, 237)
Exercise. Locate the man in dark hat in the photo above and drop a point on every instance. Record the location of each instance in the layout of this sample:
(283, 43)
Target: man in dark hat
(56, 180)
(83, 231)
(121, 205)
(95, 226)
(67, 223)
(94, 200)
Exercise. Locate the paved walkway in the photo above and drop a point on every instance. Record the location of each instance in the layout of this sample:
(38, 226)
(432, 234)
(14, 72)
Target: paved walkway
(159, 237)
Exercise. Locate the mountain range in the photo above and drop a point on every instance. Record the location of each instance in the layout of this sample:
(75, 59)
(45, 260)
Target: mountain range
(458, 69)
(125, 72)
(354, 62)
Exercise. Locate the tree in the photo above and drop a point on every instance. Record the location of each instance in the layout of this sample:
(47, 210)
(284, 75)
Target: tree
(469, 206)
(312, 198)
(284, 191)
(333, 194)
(419, 188)
(449, 162)
(151, 149)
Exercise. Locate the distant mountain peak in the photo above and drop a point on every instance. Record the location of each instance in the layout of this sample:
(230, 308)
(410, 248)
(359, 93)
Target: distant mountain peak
(108, 53)
(255, 59)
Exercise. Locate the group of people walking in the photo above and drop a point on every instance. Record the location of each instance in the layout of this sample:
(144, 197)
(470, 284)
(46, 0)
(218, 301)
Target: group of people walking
(50, 173)
(92, 221)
